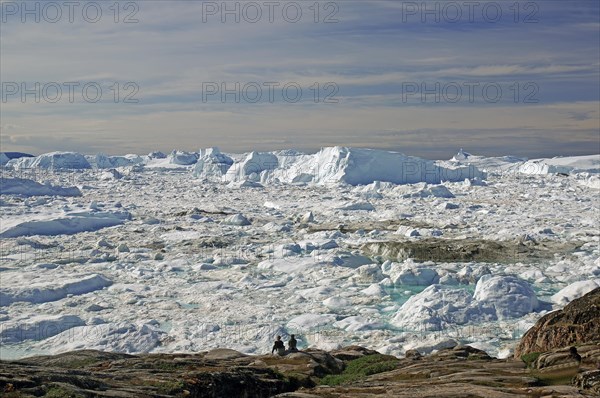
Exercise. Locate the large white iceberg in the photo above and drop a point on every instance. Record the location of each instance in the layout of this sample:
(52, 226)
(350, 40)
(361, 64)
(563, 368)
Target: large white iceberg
(354, 166)
(212, 165)
(435, 308)
(257, 166)
(53, 161)
(108, 162)
(183, 158)
(510, 296)
(562, 165)
(495, 298)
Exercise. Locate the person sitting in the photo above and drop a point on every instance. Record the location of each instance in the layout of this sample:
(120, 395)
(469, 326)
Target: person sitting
(292, 343)
(278, 345)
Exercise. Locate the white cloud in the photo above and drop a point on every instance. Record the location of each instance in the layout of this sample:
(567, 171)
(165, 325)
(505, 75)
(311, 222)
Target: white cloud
(170, 52)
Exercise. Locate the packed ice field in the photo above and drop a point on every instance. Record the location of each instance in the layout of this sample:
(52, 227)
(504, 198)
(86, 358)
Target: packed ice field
(196, 250)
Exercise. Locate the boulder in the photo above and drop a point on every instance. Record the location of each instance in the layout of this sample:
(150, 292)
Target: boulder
(352, 352)
(576, 324)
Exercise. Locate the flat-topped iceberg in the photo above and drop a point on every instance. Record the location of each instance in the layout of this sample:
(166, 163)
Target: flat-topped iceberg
(53, 161)
(39, 327)
(183, 158)
(353, 166)
(102, 161)
(26, 187)
(562, 165)
(52, 290)
(67, 224)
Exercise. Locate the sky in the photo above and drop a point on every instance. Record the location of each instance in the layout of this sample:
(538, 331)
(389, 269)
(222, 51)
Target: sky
(423, 78)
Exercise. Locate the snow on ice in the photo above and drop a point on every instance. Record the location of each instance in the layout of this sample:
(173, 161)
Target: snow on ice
(26, 187)
(197, 250)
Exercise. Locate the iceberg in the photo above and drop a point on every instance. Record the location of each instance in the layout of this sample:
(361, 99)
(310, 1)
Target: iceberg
(25, 187)
(52, 161)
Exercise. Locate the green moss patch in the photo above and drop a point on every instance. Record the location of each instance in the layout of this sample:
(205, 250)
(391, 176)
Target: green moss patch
(361, 368)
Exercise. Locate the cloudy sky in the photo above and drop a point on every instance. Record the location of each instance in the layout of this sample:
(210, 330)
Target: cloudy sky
(494, 78)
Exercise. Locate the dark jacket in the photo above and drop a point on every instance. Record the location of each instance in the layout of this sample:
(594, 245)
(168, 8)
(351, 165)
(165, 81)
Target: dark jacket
(278, 344)
(292, 344)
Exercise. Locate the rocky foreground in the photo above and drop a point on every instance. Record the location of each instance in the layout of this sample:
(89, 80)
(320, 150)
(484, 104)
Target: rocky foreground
(544, 366)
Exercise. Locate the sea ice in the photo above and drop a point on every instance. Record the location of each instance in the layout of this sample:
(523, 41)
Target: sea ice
(70, 223)
(574, 290)
(191, 281)
(25, 187)
(118, 337)
(37, 327)
(41, 292)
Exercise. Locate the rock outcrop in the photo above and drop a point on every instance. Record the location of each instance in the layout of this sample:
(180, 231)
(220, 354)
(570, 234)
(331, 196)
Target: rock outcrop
(550, 367)
(218, 373)
(588, 381)
(453, 372)
(578, 323)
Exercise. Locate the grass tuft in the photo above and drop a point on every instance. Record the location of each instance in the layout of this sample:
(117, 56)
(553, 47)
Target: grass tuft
(362, 367)
(530, 358)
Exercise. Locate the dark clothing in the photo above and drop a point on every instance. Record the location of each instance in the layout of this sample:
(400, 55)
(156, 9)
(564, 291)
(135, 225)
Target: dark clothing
(277, 346)
(292, 344)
